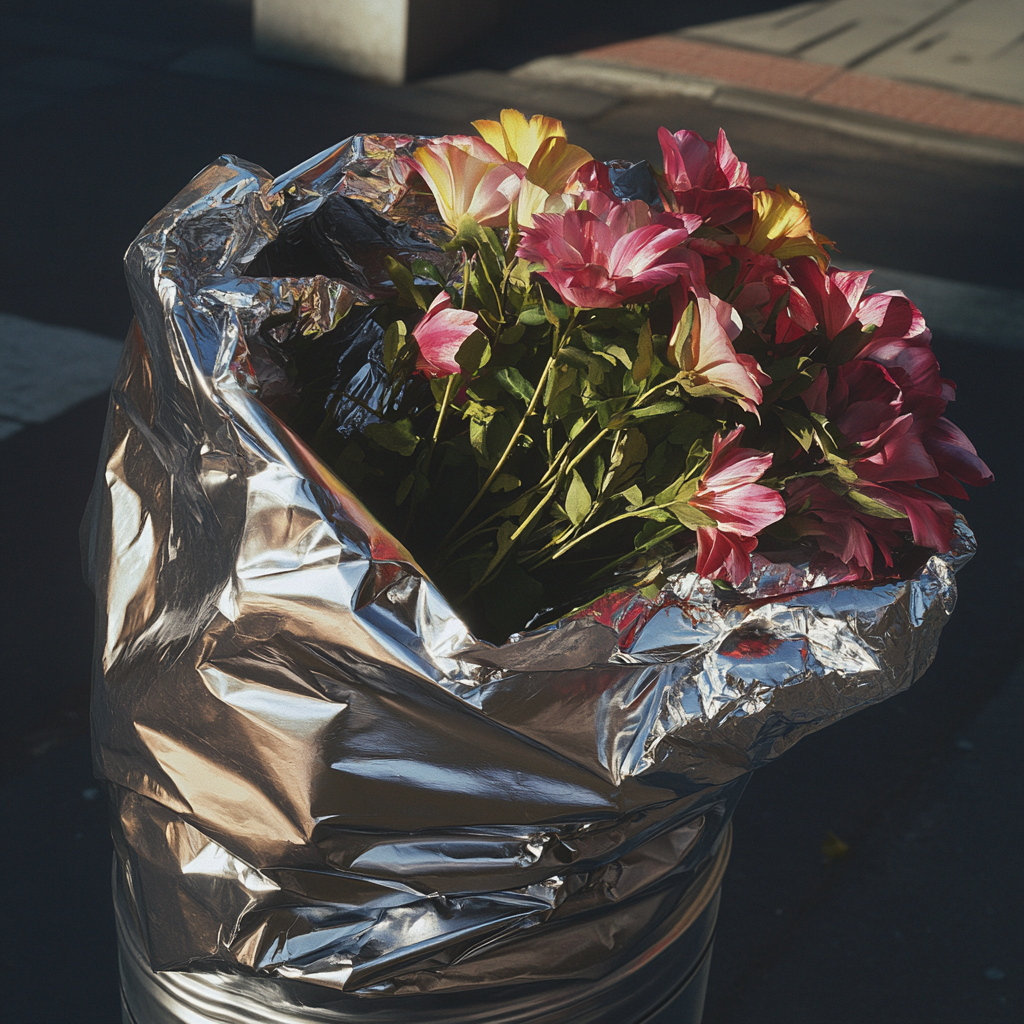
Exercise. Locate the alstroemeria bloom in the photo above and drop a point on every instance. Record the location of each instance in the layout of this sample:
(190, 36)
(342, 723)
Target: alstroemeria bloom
(781, 226)
(842, 531)
(707, 356)
(610, 253)
(709, 181)
(893, 463)
(439, 336)
(752, 283)
(741, 507)
(834, 295)
(922, 447)
(468, 177)
(539, 145)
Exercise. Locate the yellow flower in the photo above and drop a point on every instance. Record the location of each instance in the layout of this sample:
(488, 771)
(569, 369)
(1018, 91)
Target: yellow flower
(533, 199)
(468, 178)
(538, 144)
(781, 226)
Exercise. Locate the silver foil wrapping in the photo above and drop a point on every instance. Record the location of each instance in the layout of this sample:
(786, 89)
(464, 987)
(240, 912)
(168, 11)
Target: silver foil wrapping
(318, 775)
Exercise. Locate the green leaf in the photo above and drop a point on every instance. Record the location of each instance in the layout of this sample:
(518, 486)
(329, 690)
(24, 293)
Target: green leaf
(783, 369)
(633, 495)
(874, 507)
(653, 532)
(577, 500)
(688, 426)
(533, 316)
(656, 512)
(404, 488)
(519, 275)
(395, 437)
(846, 344)
(514, 383)
(688, 515)
(610, 410)
(554, 312)
(592, 366)
(681, 335)
(843, 471)
(478, 438)
(560, 378)
(645, 354)
(394, 343)
(484, 241)
(799, 426)
(697, 457)
(663, 408)
(628, 456)
(505, 482)
(511, 335)
(474, 353)
(823, 433)
(403, 280)
(424, 268)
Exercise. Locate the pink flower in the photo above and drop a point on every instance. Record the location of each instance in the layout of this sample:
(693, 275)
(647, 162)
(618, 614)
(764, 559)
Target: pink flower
(841, 530)
(728, 493)
(611, 252)
(439, 336)
(710, 182)
(468, 177)
(931, 519)
(723, 556)
(757, 284)
(833, 295)
(707, 356)
(592, 176)
(956, 458)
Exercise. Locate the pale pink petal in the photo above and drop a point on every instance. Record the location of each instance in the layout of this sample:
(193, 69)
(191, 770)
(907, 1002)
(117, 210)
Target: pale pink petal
(439, 336)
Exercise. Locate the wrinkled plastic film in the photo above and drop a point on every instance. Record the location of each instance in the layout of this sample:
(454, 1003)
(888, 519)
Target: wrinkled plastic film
(318, 774)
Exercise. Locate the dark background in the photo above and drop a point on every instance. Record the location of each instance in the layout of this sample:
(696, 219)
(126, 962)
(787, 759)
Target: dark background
(110, 108)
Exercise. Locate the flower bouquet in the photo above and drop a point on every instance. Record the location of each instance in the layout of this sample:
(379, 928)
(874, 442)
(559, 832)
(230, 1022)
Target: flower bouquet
(472, 518)
(594, 385)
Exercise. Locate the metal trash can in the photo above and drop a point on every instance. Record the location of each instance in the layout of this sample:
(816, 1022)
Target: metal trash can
(327, 807)
(666, 986)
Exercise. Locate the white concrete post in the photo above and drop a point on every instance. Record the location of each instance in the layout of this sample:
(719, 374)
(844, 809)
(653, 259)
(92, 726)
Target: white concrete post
(384, 40)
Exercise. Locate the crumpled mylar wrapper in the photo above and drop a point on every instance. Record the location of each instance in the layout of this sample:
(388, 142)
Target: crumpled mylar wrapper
(317, 772)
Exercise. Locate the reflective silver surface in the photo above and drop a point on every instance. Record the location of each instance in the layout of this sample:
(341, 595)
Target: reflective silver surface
(318, 774)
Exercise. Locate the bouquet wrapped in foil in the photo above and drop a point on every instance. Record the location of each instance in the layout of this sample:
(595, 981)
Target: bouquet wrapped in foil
(331, 799)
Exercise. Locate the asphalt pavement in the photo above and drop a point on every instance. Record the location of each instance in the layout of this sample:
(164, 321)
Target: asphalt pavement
(110, 108)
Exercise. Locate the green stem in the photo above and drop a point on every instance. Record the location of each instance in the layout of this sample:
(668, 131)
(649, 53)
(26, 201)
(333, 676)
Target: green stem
(510, 447)
(596, 529)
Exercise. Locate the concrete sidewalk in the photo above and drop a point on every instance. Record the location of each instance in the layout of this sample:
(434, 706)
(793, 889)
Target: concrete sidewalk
(935, 75)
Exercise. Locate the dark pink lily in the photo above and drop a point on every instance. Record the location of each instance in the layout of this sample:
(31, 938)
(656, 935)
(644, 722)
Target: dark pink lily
(610, 253)
(707, 180)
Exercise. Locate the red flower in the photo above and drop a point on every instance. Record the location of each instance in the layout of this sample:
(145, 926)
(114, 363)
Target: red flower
(841, 530)
(708, 181)
(757, 284)
(611, 252)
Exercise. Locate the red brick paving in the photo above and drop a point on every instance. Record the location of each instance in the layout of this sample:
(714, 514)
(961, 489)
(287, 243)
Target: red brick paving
(822, 83)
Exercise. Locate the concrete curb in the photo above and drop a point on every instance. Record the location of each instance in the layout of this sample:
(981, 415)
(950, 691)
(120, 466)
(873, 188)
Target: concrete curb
(622, 79)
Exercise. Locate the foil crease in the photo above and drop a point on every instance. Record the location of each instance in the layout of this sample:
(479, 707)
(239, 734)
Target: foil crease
(317, 773)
